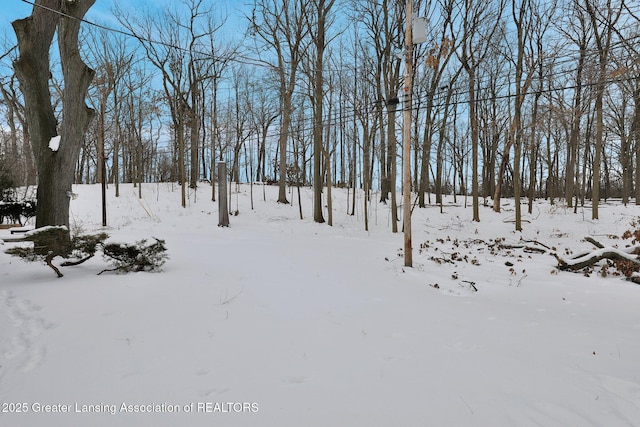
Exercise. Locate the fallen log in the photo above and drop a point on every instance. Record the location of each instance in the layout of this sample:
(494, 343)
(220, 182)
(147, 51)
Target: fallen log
(629, 249)
(525, 248)
(587, 260)
(594, 242)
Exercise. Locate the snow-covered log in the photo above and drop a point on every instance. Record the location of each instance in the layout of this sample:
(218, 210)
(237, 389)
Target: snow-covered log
(594, 257)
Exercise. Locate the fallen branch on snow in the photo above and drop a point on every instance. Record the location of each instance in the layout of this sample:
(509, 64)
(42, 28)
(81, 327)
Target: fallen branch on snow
(526, 248)
(594, 257)
(625, 260)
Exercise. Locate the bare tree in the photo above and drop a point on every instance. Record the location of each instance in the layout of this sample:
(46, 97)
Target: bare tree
(175, 44)
(603, 16)
(442, 135)
(543, 18)
(280, 28)
(55, 167)
(524, 18)
(21, 162)
(627, 67)
(361, 84)
(240, 125)
(383, 24)
(264, 112)
(220, 60)
(480, 21)
(114, 60)
(319, 20)
(437, 60)
(576, 30)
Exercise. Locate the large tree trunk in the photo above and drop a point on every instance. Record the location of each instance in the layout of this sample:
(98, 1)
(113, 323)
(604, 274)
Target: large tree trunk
(55, 168)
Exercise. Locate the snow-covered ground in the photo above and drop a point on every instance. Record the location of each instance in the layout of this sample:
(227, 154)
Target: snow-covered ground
(277, 321)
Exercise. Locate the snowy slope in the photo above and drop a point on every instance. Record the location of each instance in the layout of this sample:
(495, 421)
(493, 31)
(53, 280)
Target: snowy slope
(281, 322)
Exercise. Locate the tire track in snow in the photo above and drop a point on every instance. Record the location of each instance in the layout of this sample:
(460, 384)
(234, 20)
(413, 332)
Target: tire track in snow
(21, 348)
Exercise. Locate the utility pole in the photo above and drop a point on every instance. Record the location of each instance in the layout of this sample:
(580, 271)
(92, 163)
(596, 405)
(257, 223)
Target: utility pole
(406, 138)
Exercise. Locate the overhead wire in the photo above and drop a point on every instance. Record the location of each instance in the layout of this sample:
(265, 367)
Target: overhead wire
(352, 113)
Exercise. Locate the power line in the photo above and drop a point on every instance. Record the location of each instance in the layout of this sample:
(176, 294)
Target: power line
(246, 60)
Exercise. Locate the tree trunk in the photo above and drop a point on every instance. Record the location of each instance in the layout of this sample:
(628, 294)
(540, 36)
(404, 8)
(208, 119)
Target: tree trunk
(603, 35)
(635, 135)
(572, 148)
(392, 162)
(55, 168)
(194, 127)
(223, 210)
(322, 10)
(473, 122)
(282, 146)
(425, 156)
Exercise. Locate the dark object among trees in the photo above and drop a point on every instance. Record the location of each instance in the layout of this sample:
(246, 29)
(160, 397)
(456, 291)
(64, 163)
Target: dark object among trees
(15, 212)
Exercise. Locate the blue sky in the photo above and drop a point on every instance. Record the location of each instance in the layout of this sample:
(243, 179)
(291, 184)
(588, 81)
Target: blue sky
(101, 11)
(15, 9)
(12, 10)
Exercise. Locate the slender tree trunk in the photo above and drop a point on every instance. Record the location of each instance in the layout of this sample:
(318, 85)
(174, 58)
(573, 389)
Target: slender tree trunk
(14, 160)
(534, 152)
(194, 126)
(517, 126)
(473, 121)
(597, 158)
(392, 162)
(223, 209)
(282, 146)
(572, 147)
(322, 10)
(214, 136)
(384, 170)
(423, 186)
(329, 181)
(181, 161)
(635, 136)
